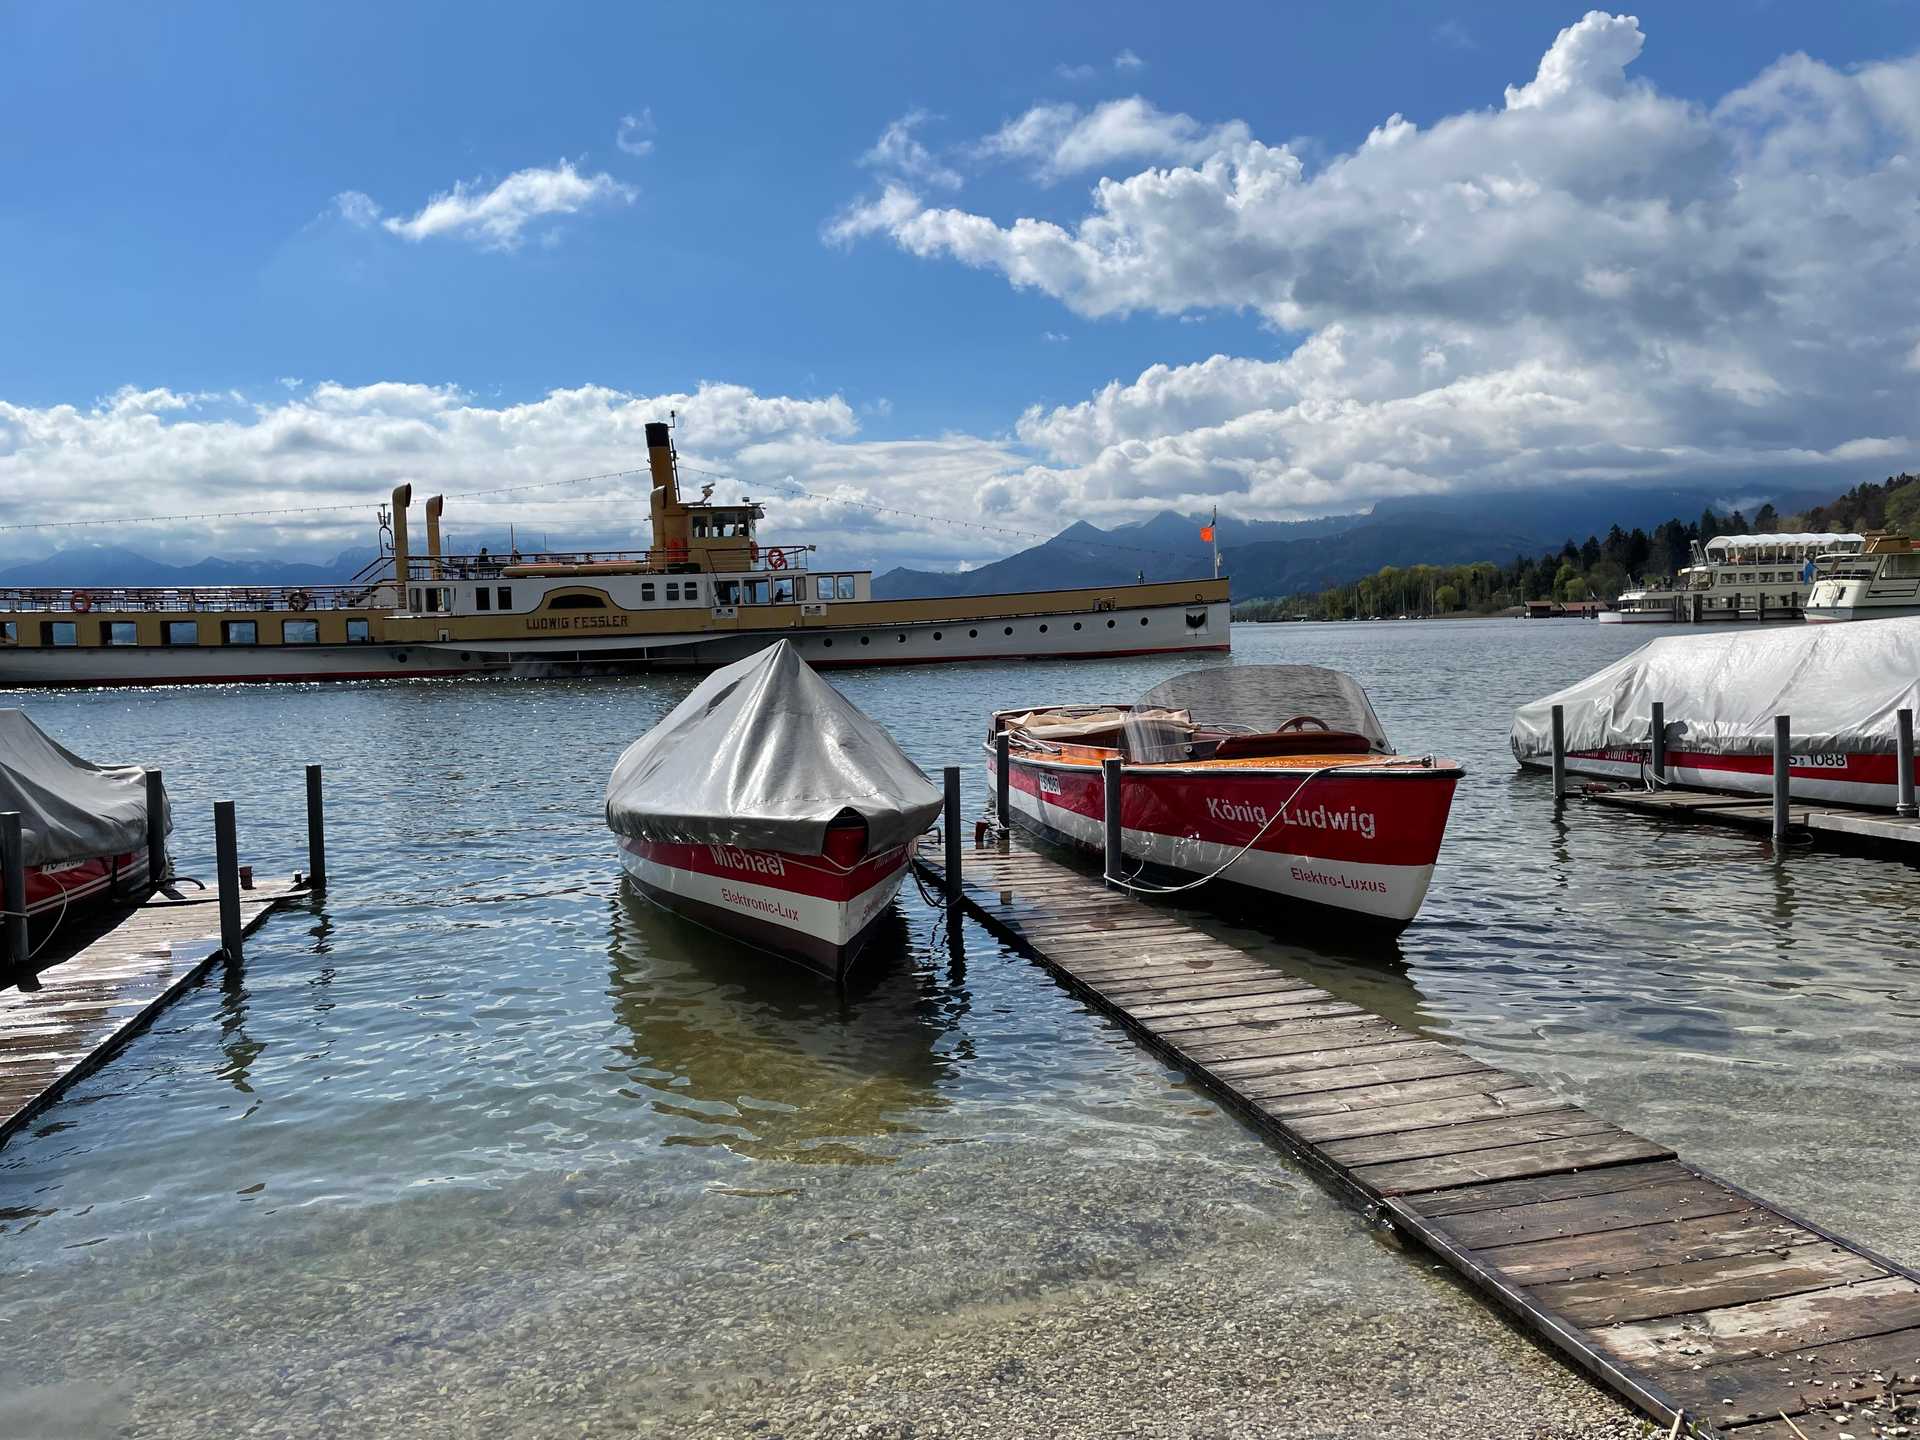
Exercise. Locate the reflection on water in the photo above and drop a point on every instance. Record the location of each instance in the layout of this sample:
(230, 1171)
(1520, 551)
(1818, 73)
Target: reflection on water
(762, 1057)
(480, 1070)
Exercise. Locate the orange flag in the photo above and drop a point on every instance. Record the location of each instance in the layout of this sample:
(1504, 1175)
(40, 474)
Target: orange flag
(1206, 533)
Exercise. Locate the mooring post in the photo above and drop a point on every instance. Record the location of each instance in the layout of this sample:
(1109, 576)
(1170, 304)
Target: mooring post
(952, 816)
(1559, 752)
(1782, 777)
(156, 831)
(1659, 755)
(1002, 783)
(226, 849)
(1903, 764)
(1110, 793)
(13, 893)
(316, 833)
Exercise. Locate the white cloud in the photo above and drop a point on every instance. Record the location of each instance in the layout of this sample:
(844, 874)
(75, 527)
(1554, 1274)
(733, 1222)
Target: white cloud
(899, 152)
(1054, 337)
(1062, 139)
(1454, 35)
(494, 218)
(1127, 60)
(893, 205)
(1589, 282)
(635, 135)
(356, 208)
(1073, 73)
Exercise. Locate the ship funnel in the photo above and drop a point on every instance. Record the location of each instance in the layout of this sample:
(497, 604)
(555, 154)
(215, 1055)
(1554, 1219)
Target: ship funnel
(669, 519)
(433, 534)
(402, 562)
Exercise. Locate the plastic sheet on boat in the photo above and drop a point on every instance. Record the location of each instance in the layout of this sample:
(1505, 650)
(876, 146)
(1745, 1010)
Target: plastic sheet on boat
(763, 754)
(1841, 685)
(1255, 699)
(70, 808)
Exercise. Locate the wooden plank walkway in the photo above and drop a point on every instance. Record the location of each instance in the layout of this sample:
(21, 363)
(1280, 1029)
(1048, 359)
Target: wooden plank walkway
(92, 1003)
(1842, 826)
(1676, 1290)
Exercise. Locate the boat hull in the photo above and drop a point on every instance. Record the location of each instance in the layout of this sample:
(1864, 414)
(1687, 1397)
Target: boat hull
(1847, 778)
(1359, 841)
(1638, 617)
(102, 880)
(800, 908)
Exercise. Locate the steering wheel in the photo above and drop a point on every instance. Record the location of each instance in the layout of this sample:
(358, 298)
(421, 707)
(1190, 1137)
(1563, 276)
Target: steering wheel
(1301, 722)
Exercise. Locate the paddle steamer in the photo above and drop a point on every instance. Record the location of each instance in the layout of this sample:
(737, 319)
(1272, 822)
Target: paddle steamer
(707, 592)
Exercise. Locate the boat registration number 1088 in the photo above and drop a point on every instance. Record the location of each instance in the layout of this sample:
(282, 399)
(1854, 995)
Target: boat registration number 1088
(1825, 760)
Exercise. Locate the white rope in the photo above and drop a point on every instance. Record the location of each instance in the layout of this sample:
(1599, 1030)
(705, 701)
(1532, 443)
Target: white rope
(1274, 819)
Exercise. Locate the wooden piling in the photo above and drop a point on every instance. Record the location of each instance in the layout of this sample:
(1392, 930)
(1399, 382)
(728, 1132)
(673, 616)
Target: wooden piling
(951, 816)
(1904, 765)
(1659, 747)
(226, 847)
(1002, 782)
(1115, 851)
(13, 893)
(156, 831)
(316, 833)
(1559, 752)
(1782, 774)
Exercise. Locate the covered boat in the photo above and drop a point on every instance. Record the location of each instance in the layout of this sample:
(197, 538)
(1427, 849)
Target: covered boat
(1275, 778)
(1841, 687)
(767, 807)
(83, 826)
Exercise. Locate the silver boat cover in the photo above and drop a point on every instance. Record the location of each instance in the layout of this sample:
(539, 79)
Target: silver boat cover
(763, 754)
(1257, 699)
(70, 809)
(1841, 685)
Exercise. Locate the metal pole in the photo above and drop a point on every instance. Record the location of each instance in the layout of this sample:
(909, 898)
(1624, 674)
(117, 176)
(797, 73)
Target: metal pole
(13, 892)
(1659, 756)
(1782, 757)
(316, 833)
(1002, 783)
(156, 830)
(952, 777)
(1110, 793)
(1559, 752)
(1904, 764)
(226, 849)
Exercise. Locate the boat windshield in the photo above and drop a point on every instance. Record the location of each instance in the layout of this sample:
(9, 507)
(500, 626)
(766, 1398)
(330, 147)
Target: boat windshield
(1251, 700)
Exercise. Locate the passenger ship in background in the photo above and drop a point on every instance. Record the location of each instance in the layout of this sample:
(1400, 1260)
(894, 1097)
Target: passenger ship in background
(708, 592)
(1737, 577)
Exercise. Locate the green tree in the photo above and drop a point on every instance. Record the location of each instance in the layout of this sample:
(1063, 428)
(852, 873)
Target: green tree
(1446, 600)
(1903, 511)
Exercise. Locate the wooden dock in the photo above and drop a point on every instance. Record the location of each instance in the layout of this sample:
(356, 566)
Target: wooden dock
(1676, 1290)
(91, 1004)
(1841, 826)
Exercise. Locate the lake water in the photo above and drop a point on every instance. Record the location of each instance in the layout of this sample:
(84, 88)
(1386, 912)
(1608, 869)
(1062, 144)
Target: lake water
(481, 1135)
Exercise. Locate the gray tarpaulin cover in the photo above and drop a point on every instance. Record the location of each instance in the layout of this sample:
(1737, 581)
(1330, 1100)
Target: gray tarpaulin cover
(70, 809)
(763, 754)
(1840, 684)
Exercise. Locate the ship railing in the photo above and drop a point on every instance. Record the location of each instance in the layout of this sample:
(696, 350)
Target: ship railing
(222, 599)
(725, 554)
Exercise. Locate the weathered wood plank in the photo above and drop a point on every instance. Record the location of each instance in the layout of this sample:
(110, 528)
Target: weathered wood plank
(1765, 1327)
(1256, 1020)
(1467, 1137)
(1710, 1284)
(1798, 1381)
(1640, 1247)
(1332, 1058)
(1425, 1114)
(1213, 1047)
(1491, 1231)
(1539, 1191)
(1581, 1152)
(1287, 1087)
(1359, 1099)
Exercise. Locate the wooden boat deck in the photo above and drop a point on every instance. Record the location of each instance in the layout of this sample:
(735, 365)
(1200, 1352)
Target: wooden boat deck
(1842, 826)
(91, 1003)
(1676, 1290)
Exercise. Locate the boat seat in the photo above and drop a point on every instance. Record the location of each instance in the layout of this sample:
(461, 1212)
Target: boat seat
(1291, 742)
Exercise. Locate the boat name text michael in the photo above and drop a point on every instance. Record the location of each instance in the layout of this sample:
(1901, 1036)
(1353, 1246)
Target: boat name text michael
(756, 861)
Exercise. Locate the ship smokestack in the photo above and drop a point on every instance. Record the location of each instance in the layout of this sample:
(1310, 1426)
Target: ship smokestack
(402, 562)
(433, 533)
(669, 519)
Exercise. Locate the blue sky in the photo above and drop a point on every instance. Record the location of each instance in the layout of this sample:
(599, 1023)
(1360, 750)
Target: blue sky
(171, 225)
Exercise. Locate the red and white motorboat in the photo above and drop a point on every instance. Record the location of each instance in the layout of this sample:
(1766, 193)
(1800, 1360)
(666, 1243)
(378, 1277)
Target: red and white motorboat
(83, 826)
(768, 808)
(1840, 686)
(1277, 779)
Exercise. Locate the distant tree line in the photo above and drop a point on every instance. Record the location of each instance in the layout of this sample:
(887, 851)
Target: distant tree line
(1598, 569)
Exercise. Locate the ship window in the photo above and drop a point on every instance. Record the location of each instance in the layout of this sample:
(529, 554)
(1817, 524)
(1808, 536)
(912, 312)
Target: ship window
(358, 632)
(503, 597)
(300, 632)
(1076, 624)
(823, 587)
(118, 632)
(843, 587)
(180, 632)
(59, 632)
(692, 591)
(1043, 630)
(482, 598)
(673, 589)
(973, 634)
(576, 601)
(8, 633)
(726, 592)
(1143, 619)
(239, 632)
(647, 592)
(756, 592)
(783, 591)
(419, 603)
